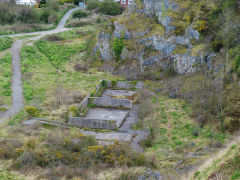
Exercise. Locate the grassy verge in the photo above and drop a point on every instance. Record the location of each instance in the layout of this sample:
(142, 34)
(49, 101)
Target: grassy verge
(50, 79)
(5, 80)
(5, 43)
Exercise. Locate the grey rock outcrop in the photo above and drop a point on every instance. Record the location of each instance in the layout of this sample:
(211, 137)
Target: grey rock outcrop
(104, 46)
(154, 49)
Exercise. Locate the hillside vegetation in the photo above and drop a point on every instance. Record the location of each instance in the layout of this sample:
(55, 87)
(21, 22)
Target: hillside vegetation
(15, 18)
(57, 72)
(187, 53)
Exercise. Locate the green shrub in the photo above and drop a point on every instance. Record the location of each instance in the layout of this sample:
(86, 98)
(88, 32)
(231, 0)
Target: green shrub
(3, 109)
(110, 7)
(44, 16)
(7, 15)
(236, 175)
(31, 111)
(27, 15)
(237, 64)
(76, 2)
(118, 46)
(79, 24)
(98, 20)
(216, 46)
(196, 173)
(74, 111)
(79, 14)
(92, 4)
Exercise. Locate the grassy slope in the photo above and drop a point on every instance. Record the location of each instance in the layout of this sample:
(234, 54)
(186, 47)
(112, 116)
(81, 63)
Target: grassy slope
(5, 80)
(173, 130)
(49, 65)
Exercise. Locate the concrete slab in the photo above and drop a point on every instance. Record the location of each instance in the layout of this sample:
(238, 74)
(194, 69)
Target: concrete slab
(30, 122)
(107, 115)
(109, 93)
(105, 143)
(122, 137)
(82, 122)
(111, 102)
(88, 133)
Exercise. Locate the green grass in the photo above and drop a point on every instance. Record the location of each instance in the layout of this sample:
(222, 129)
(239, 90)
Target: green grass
(5, 80)
(5, 43)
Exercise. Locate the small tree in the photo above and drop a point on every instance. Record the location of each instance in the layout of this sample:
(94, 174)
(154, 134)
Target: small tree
(92, 4)
(110, 7)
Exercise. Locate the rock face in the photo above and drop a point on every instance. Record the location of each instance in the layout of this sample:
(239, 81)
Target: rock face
(166, 50)
(157, 8)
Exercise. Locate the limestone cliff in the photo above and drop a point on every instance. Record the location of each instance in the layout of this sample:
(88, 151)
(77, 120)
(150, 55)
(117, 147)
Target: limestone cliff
(155, 32)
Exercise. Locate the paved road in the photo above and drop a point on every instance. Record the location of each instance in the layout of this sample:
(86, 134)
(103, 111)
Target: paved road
(17, 90)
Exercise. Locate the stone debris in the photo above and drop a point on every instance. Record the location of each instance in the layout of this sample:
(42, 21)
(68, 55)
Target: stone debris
(151, 175)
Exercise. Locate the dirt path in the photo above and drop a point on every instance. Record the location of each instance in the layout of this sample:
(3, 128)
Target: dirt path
(17, 90)
(219, 155)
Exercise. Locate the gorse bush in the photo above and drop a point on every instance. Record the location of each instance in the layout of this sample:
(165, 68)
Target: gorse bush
(72, 149)
(31, 111)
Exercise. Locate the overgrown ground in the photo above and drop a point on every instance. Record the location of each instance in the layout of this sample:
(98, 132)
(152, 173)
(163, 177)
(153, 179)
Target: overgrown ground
(57, 73)
(225, 166)
(5, 43)
(176, 142)
(45, 152)
(5, 175)
(84, 18)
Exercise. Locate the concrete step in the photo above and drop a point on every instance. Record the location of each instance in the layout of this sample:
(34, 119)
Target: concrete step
(121, 137)
(100, 119)
(110, 102)
(105, 139)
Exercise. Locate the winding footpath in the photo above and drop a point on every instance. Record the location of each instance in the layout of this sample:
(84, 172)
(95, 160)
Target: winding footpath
(17, 89)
